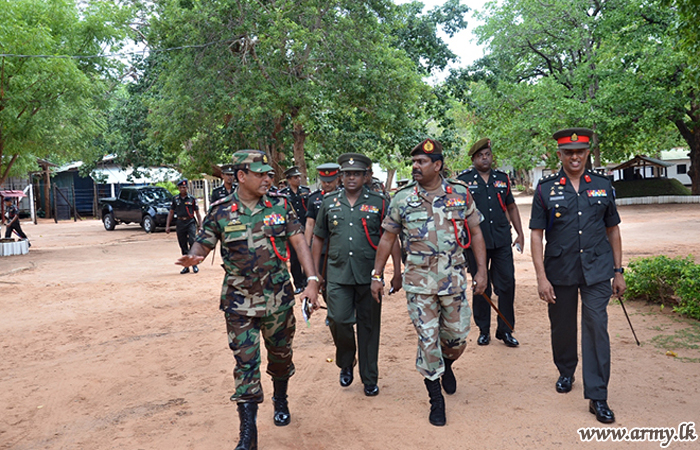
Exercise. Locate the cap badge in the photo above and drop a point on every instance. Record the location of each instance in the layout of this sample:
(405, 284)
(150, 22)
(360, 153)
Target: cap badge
(574, 137)
(351, 162)
(264, 159)
(428, 147)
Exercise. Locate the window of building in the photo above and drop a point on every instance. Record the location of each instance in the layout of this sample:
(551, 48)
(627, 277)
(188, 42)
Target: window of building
(681, 169)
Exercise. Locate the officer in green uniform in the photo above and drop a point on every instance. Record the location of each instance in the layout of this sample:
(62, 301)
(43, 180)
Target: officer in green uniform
(257, 297)
(435, 216)
(575, 209)
(350, 220)
(491, 192)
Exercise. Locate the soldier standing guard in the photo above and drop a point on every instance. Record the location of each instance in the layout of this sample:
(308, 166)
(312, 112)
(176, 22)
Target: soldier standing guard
(185, 206)
(434, 215)
(257, 298)
(350, 221)
(576, 210)
(491, 192)
(226, 188)
(298, 196)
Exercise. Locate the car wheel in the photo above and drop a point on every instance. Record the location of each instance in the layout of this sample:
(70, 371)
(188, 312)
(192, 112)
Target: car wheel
(148, 224)
(108, 221)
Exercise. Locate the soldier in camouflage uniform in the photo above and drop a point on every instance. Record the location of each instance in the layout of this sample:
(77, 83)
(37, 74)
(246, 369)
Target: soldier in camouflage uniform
(257, 298)
(434, 215)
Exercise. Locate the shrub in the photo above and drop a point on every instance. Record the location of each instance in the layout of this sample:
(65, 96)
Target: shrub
(667, 281)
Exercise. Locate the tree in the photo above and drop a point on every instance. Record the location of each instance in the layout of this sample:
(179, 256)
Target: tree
(52, 99)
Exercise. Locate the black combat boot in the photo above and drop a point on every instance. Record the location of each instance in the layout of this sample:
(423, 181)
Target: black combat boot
(279, 398)
(449, 382)
(437, 403)
(247, 412)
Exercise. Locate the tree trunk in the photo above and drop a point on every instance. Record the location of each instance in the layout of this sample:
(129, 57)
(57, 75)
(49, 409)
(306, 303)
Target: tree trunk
(694, 170)
(389, 179)
(299, 157)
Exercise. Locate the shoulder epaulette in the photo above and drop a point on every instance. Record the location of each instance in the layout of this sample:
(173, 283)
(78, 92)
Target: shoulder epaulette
(317, 191)
(409, 184)
(465, 171)
(221, 201)
(456, 181)
(598, 174)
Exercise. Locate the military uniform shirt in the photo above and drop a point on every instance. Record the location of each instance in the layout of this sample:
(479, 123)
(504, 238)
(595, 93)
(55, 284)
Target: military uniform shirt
(221, 192)
(184, 208)
(315, 200)
(299, 200)
(434, 260)
(492, 199)
(575, 227)
(346, 229)
(10, 212)
(257, 280)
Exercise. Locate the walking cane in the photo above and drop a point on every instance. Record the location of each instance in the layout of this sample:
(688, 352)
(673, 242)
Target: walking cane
(629, 321)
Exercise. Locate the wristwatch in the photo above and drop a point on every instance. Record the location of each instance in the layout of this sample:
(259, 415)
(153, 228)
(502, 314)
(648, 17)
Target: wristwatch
(619, 269)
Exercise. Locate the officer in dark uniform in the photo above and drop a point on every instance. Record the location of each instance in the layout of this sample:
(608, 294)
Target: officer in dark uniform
(226, 189)
(328, 174)
(491, 192)
(12, 222)
(350, 220)
(575, 209)
(185, 206)
(298, 196)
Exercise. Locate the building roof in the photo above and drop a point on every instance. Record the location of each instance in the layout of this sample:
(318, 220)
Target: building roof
(641, 161)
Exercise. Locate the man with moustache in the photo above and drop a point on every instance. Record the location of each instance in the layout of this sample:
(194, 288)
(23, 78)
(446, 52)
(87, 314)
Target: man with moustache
(575, 209)
(491, 192)
(257, 297)
(435, 216)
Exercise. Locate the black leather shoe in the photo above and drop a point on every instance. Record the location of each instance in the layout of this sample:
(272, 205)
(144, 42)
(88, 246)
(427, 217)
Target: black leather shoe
(602, 411)
(507, 338)
(195, 269)
(371, 390)
(185, 270)
(346, 376)
(564, 384)
(484, 339)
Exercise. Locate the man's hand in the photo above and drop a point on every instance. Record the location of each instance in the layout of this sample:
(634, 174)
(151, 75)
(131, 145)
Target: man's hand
(546, 291)
(189, 260)
(619, 286)
(396, 283)
(311, 292)
(480, 281)
(377, 290)
(519, 243)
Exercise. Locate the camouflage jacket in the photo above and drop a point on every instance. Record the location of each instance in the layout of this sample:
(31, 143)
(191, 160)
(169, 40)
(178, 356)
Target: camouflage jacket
(256, 281)
(435, 263)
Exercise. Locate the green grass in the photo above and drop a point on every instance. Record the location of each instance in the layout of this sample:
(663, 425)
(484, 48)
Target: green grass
(649, 188)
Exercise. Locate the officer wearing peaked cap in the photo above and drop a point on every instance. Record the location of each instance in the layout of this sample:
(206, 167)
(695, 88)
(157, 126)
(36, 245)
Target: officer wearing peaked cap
(575, 209)
(328, 175)
(184, 206)
(492, 194)
(298, 196)
(255, 231)
(438, 220)
(226, 189)
(349, 220)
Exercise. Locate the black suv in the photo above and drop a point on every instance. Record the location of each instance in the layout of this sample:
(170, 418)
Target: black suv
(146, 205)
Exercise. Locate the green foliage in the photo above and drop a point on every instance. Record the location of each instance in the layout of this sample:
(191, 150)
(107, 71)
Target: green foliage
(668, 281)
(649, 188)
(170, 186)
(54, 104)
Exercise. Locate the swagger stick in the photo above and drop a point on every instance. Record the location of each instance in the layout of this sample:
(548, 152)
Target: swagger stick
(629, 321)
(497, 311)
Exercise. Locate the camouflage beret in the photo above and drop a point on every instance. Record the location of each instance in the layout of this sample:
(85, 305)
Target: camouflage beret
(253, 160)
(479, 145)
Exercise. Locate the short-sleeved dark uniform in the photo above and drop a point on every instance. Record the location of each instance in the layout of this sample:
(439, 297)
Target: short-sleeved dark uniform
(12, 214)
(578, 258)
(352, 233)
(492, 199)
(186, 225)
(315, 200)
(221, 192)
(300, 201)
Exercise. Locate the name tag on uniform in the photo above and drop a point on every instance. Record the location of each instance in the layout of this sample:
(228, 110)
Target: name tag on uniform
(230, 228)
(557, 197)
(597, 193)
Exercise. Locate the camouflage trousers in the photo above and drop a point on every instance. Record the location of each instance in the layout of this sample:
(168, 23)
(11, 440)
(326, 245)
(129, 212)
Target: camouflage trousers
(442, 323)
(244, 340)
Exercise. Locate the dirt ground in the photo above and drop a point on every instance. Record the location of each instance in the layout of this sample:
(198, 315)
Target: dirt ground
(106, 346)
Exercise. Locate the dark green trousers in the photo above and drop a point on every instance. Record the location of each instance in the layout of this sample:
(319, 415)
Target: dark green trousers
(350, 305)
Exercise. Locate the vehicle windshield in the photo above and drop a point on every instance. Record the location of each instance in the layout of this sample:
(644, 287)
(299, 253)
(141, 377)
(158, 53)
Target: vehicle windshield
(155, 195)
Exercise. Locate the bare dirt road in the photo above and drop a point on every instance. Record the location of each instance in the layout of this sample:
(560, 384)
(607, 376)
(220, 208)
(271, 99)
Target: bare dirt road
(106, 346)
